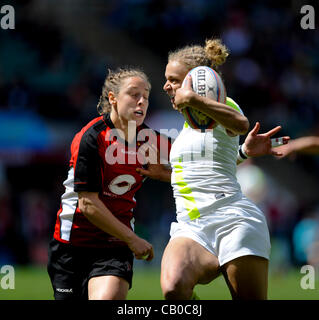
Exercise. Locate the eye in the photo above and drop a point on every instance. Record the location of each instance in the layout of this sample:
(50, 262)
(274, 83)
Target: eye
(134, 94)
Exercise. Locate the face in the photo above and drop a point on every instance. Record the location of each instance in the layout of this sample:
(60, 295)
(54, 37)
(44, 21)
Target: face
(175, 73)
(131, 103)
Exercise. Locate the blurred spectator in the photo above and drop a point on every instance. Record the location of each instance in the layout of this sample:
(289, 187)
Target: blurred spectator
(6, 220)
(305, 239)
(18, 97)
(35, 224)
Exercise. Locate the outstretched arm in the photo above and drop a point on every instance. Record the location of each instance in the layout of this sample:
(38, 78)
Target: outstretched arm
(306, 145)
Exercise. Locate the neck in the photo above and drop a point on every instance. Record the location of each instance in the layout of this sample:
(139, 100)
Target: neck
(126, 129)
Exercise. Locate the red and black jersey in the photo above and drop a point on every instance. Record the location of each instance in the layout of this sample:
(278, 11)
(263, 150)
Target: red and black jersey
(103, 162)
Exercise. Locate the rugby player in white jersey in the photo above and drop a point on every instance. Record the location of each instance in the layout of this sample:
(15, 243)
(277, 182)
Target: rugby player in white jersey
(218, 230)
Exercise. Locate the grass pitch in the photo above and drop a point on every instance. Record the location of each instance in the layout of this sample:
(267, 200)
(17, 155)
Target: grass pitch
(32, 283)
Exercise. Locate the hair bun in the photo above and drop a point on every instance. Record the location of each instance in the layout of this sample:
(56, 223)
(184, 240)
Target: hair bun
(216, 51)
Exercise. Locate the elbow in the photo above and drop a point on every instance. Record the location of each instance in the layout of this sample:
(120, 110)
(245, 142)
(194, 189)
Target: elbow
(86, 206)
(243, 126)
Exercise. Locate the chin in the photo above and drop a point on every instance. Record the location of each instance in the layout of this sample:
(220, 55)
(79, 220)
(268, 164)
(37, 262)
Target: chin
(136, 122)
(139, 122)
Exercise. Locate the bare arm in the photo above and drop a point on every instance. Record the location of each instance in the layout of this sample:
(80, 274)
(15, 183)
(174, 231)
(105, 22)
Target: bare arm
(226, 116)
(306, 145)
(98, 214)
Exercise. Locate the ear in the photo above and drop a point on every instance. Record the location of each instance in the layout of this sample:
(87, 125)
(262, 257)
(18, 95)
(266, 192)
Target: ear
(112, 98)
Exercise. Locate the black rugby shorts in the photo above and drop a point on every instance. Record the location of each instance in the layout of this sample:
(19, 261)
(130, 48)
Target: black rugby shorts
(70, 268)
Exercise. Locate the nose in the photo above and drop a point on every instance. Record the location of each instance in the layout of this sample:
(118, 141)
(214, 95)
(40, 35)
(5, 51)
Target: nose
(166, 86)
(142, 101)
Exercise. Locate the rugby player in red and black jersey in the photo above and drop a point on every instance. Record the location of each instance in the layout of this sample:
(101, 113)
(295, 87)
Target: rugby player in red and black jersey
(91, 254)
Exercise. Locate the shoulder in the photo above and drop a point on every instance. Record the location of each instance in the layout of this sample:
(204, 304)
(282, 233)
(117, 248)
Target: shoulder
(89, 133)
(230, 102)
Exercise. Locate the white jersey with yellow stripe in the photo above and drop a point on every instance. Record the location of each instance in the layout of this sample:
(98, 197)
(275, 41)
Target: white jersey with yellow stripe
(204, 170)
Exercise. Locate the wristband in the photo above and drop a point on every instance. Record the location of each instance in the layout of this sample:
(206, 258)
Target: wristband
(241, 155)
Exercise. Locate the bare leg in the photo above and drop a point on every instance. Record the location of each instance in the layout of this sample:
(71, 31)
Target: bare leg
(186, 263)
(247, 277)
(107, 288)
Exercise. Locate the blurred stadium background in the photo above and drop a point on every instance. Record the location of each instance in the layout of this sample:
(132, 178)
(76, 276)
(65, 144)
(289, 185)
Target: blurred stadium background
(52, 68)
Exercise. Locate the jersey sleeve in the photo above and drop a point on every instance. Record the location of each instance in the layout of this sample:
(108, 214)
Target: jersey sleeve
(87, 174)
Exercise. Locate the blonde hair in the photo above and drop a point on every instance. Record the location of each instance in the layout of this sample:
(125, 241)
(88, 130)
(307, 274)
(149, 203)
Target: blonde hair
(113, 82)
(213, 54)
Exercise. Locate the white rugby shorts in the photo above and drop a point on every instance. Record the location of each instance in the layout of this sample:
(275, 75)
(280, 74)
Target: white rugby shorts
(235, 230)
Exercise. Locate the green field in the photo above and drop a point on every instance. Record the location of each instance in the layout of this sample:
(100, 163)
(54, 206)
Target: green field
(32, 283)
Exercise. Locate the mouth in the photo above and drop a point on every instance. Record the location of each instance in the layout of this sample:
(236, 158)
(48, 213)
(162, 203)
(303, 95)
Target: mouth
(139, 113)
(172, 99)
(171, 96)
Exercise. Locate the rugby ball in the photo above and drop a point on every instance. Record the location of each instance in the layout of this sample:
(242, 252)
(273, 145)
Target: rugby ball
(208, 83)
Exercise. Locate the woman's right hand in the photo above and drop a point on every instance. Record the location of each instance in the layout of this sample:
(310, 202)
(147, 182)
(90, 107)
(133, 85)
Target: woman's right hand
(141, 248)
(184, 95)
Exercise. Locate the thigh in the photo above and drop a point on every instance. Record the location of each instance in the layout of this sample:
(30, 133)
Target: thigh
(111, 274)
(247, 277)
(108, 288)
(186, 260)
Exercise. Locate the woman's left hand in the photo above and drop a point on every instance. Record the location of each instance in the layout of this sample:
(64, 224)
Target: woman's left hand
(259, 144)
